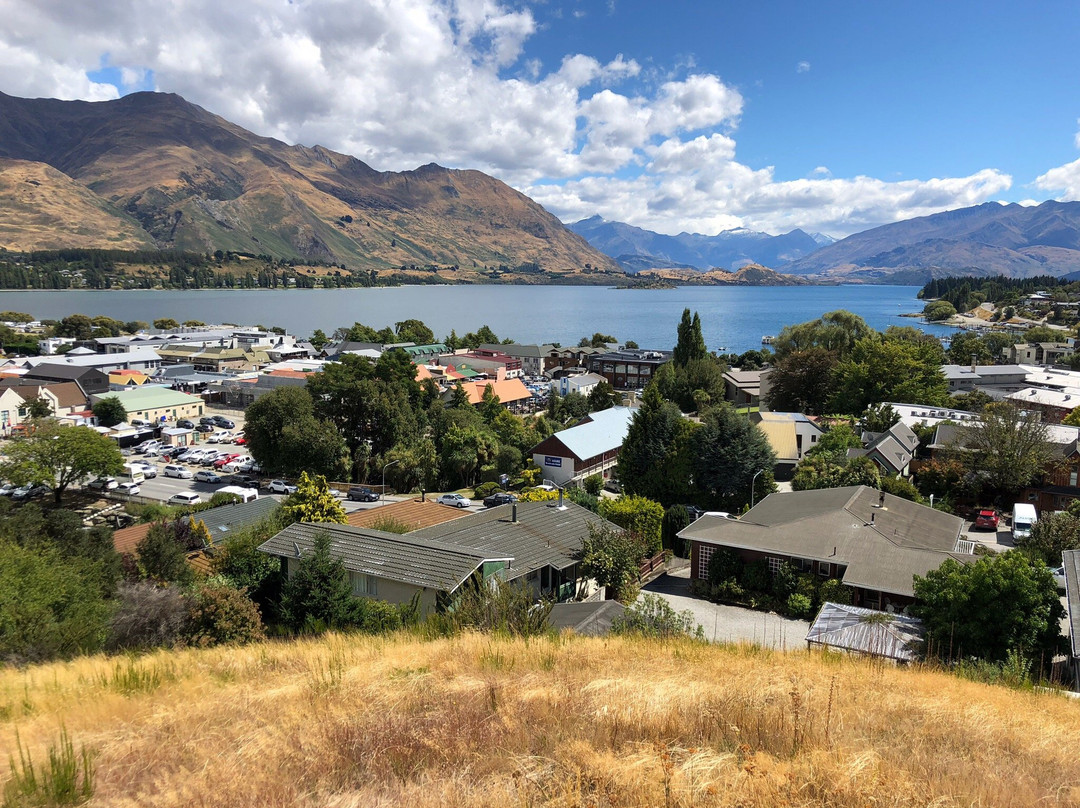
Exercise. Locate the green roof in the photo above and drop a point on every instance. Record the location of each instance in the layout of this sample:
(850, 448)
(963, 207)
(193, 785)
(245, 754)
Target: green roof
(149, 398)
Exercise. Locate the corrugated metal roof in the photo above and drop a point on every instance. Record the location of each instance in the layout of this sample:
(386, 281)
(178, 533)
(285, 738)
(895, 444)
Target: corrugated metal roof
(1071, 560)
(591, 619)
(781, 437)
(866, 631)
(411, 512)
(604, 431)
(411, 558)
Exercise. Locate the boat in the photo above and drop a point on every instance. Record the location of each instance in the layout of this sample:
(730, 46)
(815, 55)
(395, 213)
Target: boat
(767, 340)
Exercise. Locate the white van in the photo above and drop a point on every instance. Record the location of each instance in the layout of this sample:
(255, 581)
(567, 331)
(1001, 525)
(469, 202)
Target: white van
(133, 473)
(1024, 518)
(245, 494)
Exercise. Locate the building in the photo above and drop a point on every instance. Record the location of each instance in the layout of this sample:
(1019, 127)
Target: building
(490, 363)
(156, 404)
(995, 380)
(628, 370)
(1070, 560)
(589, 447)
(534, 358)
(743, 387)
(896, 637)
(582, 384)
(531, 542)
(1039, 353)
(511, 392)
(65, 400)
(873, 542)
(791, 435)
(892, 450)
(1054, 405)
(89, 380)
(143, 359)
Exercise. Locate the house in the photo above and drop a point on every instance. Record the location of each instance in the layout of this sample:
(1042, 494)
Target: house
(628, 370)
(892, 450)
(1054, 405)
(1039, 353)
(996, 380)
(582, 384)
(490, 363)
(791, 435)
(867, 632)
(413, 513)
(123, 379)
(155, 404)
(532, 542)
(510, 391)
(139, 359)
(873, 542)
(65, 400)
(534, 358)
(743, 387)
(90, 380)
(589, 447)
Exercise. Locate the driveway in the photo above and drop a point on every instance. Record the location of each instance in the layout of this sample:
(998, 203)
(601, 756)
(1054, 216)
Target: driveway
(729, 623)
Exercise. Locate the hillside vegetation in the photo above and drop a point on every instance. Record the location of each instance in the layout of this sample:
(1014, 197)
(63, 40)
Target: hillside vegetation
(481, 721)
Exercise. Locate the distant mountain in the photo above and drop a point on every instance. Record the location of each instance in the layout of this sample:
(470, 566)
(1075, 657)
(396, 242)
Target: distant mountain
(991, 239)
(151, 169)
(636, 248)
(749, 275)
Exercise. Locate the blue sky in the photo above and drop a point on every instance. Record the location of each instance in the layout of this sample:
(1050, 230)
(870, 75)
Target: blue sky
(700, 116)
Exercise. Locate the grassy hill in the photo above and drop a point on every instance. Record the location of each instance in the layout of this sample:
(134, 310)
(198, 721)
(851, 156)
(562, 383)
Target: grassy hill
(480, 721)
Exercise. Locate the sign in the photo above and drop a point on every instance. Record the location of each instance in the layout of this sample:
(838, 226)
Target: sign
(553, 461)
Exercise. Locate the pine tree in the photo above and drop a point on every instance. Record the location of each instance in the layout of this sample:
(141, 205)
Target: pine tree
(319, 592)
(691, 343)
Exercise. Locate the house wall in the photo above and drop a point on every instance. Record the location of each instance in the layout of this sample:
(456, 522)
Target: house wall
(385, 589)
(154, 414)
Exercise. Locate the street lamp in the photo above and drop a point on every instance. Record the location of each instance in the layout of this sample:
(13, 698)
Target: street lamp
(382, 493)
(752, 481)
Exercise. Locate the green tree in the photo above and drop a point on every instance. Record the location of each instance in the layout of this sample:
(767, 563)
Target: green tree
(691, 343)
(883, 369)
(285, 437)
(938, 310)
(313, 501)
(836, 332)
(319, 593)
(460, 399)
(38, 408)
(676, 519)
(654, 460)
(166, 324)
(58, 456)
(652, 616)
(603, 397)
(836, 441)
(802, 381)
(1005, 449)
(879, 418)
(726, 452)
(414, 331)
(640, 516)
(50, 605)
(1001, 603)
(218, 614)
(974, 401)
(611, 557)
(75, 326)
(319, 339)
(1051, 535)
(109, 411)
(162, 557)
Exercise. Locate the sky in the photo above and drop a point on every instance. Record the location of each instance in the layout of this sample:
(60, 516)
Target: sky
(673, 116)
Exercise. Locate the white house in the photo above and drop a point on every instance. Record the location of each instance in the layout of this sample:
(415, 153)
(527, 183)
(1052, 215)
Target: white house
(590, 447)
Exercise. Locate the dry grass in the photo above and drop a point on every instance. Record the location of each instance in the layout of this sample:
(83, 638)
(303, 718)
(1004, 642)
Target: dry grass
(477, 721)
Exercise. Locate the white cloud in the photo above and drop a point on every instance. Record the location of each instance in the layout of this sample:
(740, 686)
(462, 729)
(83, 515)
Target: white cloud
(399, 83)
(802, 67)
(1064, 180)
(1076, 137)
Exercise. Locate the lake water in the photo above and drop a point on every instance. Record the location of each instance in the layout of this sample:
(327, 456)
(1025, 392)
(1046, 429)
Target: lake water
(733, 318)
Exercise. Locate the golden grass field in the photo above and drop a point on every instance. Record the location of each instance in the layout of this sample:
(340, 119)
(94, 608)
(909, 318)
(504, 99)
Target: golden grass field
(480, 721)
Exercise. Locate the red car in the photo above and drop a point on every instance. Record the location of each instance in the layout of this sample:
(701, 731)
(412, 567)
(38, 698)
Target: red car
(987, 519)
(222, 461)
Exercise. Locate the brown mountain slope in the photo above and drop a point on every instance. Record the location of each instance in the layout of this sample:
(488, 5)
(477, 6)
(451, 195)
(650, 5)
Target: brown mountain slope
(749, 275)
(195, 181)
(43, 209)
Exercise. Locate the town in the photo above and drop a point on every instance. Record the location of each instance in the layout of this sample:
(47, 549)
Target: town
(842, 474)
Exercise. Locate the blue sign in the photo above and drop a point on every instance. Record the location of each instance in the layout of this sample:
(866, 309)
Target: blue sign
(553, 461)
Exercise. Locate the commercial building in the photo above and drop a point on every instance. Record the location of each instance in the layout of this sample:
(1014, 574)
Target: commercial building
(628, 370)
(156, 404)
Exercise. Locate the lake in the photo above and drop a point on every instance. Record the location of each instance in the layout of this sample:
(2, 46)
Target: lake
(733, 318)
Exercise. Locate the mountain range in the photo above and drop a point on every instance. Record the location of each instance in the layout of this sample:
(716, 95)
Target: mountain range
(153, 170)
(637, 249)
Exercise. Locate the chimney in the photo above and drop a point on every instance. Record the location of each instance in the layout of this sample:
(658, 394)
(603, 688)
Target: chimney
(872, 519)
(973, 363)
(881, 500)
(561, 505)
(513, 513)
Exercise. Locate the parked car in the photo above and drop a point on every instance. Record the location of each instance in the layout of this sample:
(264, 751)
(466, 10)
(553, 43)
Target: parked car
(244, 480)
(1059, 577)
(281, 487)
(149, 470)
(209, 458)
(179, 472)
(30, 491)
(191, 456)
(103, 484)
(454, 500)
(499, 498)
(207, 477)
(185, 423)
(694, 512)
(987, 519)
(223, 422)
(361, 493)
(138, 422)
(6, 489)
(240, 441)
(204, 428)
(224, 460)
(184, 498)
(129, 489)
(207, 420)
(146, 446)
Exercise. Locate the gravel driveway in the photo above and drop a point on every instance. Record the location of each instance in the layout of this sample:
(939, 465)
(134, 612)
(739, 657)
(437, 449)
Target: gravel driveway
(729, 623)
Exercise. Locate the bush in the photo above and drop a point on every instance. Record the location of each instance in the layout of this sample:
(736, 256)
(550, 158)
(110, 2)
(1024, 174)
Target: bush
(224, 498)
(641, 516)
(676, 518)
(377, 616)
(729, 590)
(485, 490)
(583, 498)
(594, 483)
(221, 615)
(147, 616)
(784, 582)
(652, 616)
(755, 577)
(799, 606)
(832, 590)
(724, 565)
(505, 608)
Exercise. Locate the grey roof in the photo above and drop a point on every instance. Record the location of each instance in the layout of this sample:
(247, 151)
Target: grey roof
(881, 547)
(410, 558)
(1071, 561)
(543, 536)
(592, 618)
(520, 351)
(51, 371)
(867, 631)
(225, 519)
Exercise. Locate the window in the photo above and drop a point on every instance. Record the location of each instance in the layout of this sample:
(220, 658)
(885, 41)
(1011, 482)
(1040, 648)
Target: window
(1072, 477)
(644, 370)
(705, 553)
(824, 568)
(363, 586)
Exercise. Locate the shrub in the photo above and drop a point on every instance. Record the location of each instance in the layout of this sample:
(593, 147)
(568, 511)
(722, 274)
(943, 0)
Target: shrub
(729, 590)
(147, 616)
(676, 518)
(725, 565)
(224, 498)
(485, 490)
(594, 483)
(784, 582)
(652, 616)
(221, 615)
(640, 515)
(67, 778)
(832, 590)
(799, 606)
(755, 577)
(391, 524)
(377, 616)
(505, 608)
(583, 498)
(319, 594)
